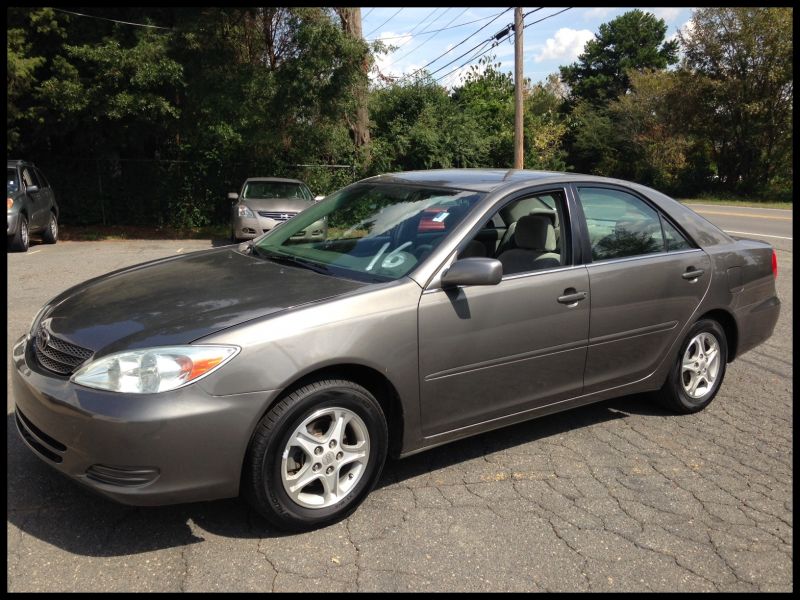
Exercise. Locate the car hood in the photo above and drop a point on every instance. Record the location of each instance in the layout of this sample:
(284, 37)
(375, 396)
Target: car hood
(278, 204)
(180, 299)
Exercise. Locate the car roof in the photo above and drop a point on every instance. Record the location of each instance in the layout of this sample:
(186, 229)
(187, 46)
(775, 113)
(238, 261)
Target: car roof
(483, 180)
(275, 179)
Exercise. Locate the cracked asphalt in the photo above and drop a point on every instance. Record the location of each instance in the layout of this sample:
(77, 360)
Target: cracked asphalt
(617, 496)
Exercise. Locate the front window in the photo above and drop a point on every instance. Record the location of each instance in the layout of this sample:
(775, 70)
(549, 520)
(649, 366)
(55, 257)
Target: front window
(275, 189)
(12, 181)
(370, 232)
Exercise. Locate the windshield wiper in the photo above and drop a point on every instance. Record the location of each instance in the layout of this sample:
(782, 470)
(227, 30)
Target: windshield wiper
(290, 260)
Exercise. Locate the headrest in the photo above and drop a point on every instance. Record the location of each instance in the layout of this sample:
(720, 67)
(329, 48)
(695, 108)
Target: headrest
(535, 232)
(546, 211)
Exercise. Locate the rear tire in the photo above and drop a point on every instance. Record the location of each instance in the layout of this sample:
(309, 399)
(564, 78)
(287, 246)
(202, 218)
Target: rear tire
(698, 371)
(297, 441)
(21, 239)
(50, 234)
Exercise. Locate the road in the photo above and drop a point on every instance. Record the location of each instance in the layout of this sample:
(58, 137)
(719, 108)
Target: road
(768, 224)
(618, 496)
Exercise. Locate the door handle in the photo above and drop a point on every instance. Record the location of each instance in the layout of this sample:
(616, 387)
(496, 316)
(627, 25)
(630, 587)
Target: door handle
(572, 298)
(692, 273)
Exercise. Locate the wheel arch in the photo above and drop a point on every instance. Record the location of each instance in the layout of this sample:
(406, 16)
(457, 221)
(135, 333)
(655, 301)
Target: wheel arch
(728, 324)
(373, 380)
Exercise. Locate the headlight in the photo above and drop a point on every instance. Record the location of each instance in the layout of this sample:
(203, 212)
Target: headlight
(153, 370)
(36, 318)
(245, 212)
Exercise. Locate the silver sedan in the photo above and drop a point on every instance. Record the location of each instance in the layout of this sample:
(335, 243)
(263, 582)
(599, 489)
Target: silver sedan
(266, 202)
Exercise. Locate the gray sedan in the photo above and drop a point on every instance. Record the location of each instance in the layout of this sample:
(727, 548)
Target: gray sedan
(439, 305)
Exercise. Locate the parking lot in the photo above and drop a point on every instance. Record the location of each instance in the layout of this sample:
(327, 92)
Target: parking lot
(617, 496)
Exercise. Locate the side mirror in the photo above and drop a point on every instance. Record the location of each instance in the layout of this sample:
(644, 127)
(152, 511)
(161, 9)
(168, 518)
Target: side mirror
(318, 198)
(233, 196)
(32, 189)
(473, 271)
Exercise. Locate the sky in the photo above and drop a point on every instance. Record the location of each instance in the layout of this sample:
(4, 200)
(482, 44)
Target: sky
(555, 41)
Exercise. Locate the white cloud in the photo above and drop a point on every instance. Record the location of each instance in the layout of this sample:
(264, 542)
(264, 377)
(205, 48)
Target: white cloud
(687, 29)
(597, 13)
(669, 14)
(566, 44)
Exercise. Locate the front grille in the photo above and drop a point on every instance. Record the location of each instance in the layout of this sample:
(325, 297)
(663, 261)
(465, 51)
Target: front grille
(277, 216)
(56, 355)
(45, 445)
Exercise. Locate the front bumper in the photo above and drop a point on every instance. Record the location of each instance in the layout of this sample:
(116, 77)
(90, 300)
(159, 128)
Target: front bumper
(247, 228)
(148, 449)
(13, 223)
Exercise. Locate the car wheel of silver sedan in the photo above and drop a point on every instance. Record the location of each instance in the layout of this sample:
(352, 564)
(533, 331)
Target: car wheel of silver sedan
(316, 454)
(698, 372)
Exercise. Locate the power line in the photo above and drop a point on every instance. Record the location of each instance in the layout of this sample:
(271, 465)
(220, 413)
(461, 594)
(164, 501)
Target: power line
(427, 18)
(408, 35)
(69, 12)
(497, 16)
(423, 43)
(396, 37)
(369, 11)
(385, 22)
(502, 33)
(497, 41)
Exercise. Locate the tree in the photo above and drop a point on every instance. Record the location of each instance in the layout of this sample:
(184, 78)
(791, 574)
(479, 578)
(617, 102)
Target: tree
(634, 40)
(545, 126)
(741, 61)
(351, 23)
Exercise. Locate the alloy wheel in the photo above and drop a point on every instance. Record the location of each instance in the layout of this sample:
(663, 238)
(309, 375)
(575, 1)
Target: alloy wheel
(700, 365)
(325, 457)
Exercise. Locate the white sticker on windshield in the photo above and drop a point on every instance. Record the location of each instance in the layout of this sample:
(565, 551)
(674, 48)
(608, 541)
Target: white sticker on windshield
(440, 217)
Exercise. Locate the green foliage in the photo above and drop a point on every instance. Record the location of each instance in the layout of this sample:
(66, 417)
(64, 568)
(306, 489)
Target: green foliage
(153, 127)
(739, 62)
(634, 40)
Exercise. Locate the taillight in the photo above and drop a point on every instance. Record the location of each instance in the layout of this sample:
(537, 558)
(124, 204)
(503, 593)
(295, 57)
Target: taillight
(10, 203)
(774, 264)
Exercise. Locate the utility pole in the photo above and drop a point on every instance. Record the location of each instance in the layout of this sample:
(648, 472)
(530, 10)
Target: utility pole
(518, 88)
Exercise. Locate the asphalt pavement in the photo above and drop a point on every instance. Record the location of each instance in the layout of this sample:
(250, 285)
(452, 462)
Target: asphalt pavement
(617, 496)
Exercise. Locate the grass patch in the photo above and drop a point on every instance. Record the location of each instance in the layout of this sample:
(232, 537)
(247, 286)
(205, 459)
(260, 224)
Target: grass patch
(738, 202)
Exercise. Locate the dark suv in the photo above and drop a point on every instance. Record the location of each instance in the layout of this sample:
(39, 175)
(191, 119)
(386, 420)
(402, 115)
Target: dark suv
(32, 205)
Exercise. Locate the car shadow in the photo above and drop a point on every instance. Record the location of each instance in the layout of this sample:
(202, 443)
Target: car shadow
(46, 505)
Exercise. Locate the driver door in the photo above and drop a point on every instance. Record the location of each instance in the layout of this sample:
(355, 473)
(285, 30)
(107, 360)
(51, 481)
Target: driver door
(487, 352)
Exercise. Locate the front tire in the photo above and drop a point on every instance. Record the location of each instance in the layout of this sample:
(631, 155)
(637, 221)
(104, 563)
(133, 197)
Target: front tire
(316, 455)
(50, 235)
(21, 239)
(697, 374)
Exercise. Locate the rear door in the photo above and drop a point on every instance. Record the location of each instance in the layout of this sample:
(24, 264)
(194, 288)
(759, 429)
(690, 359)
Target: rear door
(646, 280)
(48, 198)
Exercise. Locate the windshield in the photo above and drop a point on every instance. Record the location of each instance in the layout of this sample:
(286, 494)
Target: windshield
(13, 180)
(376, 232)
(276, 189)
